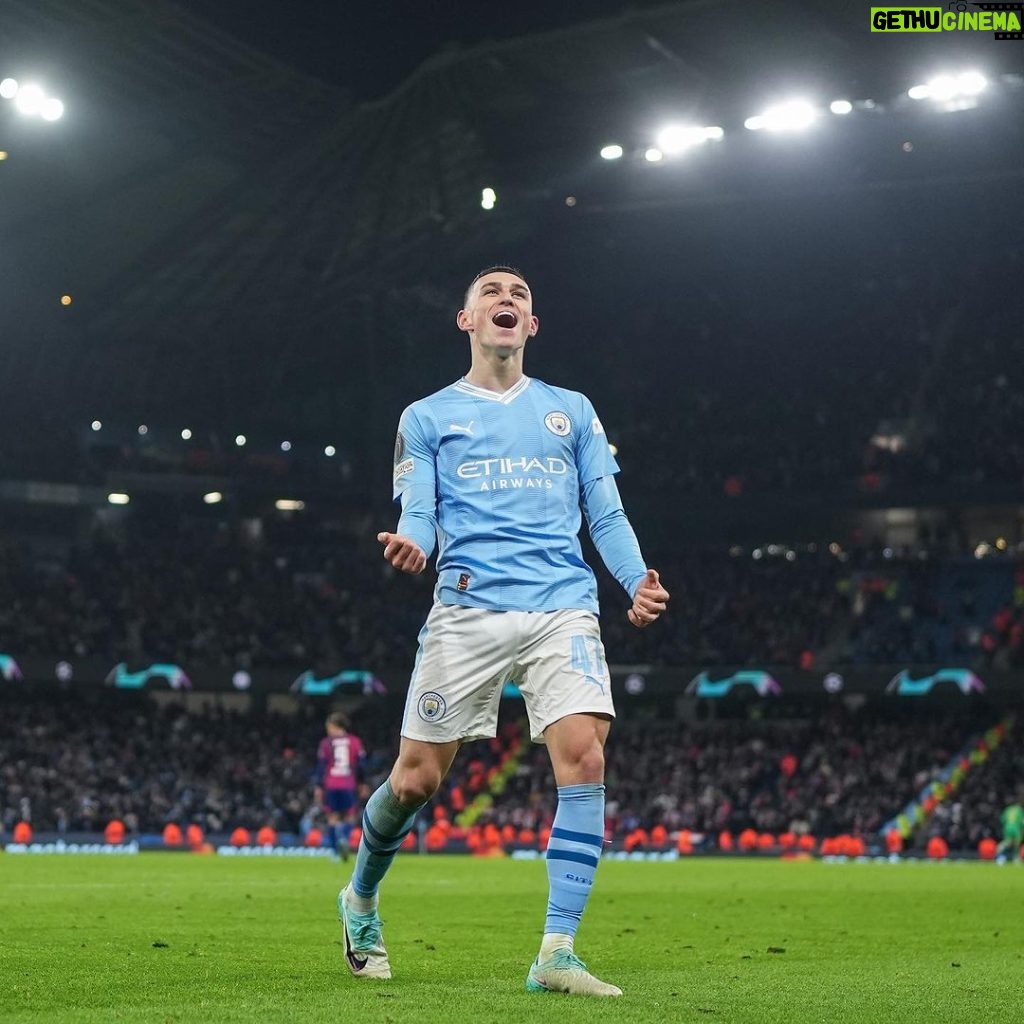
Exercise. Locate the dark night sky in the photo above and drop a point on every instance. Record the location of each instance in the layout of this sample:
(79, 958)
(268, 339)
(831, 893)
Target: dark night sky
(371, 48)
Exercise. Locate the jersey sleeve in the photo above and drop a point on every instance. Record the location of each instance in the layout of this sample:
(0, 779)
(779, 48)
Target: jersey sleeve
(612, 533)
(415, 480)
(593, 456)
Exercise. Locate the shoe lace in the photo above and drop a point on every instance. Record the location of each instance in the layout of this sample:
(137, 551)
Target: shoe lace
(566, 960)
(365, 930)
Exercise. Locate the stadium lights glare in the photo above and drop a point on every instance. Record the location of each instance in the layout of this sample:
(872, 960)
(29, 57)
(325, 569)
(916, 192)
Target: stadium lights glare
(330, 451)
(611, 152)
(653, 155)
(118, 498)
(289, 505)
(675, 138)
(186, 434)
(841, 107)
(945, 88)
(97, 425)
(51, 109)
(29, 99)
(488, 197)
(794, 116)
(240, 440)
(286, 446)
(213, 498)
(143, 430)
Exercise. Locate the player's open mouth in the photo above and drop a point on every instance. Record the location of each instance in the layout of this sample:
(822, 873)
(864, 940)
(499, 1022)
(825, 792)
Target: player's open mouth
(505, 318)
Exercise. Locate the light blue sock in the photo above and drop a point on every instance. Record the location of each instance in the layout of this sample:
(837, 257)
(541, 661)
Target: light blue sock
(386, 823)
(577, 837)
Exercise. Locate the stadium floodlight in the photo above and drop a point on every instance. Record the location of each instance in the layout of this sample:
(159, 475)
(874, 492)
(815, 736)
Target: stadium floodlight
(713, 133)
(186, 434)
(289, 505)
(9, 88)
(841, 107)
(330, 451)
(213, 497)
(488, 197)
(653, 155)
(970, 83)
(118, 498)
(29, 99)
(286, 446)
(792, 116)
(942, 88)
(51, 109)
(143, 430)
(611, 152)
(675, 138)
(953, 92)
(240, 440)
(97, 425)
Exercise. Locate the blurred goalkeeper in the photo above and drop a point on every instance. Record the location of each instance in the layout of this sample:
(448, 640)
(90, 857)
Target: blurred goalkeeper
(497, 471)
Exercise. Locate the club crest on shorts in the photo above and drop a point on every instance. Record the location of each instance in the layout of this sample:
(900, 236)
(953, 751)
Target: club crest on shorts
(431, 707)
(558, 423)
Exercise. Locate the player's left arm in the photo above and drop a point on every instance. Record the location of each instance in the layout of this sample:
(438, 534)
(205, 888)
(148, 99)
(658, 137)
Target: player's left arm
(610, 530)
(617, 545)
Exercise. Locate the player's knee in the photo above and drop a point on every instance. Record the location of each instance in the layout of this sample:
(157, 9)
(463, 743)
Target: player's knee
(591, 764)
(586, 763)
(415, 786)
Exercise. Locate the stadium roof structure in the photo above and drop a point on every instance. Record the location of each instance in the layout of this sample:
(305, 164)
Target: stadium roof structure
(226, 226)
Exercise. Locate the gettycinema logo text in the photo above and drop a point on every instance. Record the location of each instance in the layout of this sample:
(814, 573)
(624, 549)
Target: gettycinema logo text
(1003, 20)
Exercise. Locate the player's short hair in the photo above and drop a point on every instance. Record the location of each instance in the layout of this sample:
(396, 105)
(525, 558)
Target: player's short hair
(498, 268)
(338, 719)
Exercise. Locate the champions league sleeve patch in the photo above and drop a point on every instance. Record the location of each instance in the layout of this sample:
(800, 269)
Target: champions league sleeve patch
(403, 466)
(463, 584)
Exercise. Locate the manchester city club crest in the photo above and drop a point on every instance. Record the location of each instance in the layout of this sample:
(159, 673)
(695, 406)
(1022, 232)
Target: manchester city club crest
(431, 707)
(558, 423)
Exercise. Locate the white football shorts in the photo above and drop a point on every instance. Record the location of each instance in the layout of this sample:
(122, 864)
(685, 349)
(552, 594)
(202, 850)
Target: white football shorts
(466, 655)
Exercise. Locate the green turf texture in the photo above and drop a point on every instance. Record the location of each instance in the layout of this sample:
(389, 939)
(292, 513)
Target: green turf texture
(175, 939)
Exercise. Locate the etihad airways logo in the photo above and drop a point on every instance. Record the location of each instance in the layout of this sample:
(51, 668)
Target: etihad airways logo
(513, 474)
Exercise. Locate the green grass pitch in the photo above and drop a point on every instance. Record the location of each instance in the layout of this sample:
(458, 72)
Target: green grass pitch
(175, 939)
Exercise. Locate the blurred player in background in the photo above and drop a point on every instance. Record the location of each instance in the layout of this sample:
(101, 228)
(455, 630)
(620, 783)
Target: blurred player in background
(1012, 821)
(339, 759)
(496, 470)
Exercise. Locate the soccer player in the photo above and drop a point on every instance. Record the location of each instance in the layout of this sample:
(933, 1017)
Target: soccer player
(1012, 820)
(495, 470)
(339, 758)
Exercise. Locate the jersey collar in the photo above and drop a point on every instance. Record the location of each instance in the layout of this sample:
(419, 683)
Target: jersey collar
(505, 397)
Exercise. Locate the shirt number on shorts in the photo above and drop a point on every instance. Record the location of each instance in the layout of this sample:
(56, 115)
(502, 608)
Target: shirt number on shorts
(588, 659)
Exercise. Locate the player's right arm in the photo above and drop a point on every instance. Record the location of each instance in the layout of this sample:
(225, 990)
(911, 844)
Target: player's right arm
(415, 488)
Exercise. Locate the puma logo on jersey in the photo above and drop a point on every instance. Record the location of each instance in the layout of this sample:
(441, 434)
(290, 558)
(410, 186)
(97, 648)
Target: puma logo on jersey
(459, 429)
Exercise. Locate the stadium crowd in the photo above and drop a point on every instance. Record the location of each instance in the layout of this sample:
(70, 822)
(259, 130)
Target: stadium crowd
(314, 599)
(71, 762)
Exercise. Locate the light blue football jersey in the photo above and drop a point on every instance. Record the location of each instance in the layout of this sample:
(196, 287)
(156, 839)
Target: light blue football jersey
(502, 477)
